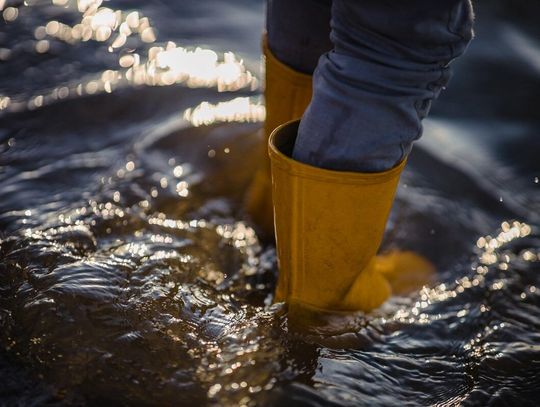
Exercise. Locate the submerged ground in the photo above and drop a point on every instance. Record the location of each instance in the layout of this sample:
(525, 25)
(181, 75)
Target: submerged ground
(129, 275)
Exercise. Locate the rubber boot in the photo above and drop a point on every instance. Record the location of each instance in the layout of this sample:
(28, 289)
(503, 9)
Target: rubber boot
(329, 226)
(287, 94)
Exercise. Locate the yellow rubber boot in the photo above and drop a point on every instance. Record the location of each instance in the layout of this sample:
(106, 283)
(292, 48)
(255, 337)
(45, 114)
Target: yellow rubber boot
(329, 226)
(287, 95)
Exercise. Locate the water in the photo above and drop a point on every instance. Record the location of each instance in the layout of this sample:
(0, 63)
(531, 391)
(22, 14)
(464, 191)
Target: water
(129, 274)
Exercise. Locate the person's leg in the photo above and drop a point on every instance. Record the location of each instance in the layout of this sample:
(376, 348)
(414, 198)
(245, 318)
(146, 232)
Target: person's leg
(298, 32)
(390, 60)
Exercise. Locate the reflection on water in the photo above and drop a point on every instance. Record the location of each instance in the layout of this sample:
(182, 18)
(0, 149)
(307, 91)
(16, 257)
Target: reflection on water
(129, 275)
(240, 110)
(163, 65)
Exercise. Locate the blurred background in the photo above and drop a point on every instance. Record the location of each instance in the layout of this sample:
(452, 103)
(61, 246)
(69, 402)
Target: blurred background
(129, 274)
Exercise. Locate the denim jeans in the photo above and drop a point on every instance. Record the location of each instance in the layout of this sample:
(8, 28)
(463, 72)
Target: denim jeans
(377, 65)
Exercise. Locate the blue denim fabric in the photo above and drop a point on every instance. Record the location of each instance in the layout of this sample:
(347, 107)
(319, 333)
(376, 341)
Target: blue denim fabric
(298, 31)
(390, 59)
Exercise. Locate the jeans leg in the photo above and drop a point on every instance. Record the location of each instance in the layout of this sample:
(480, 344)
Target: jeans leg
(299, 31)
(390, 60)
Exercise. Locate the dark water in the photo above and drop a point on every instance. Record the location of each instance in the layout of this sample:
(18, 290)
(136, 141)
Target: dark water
(129, 275)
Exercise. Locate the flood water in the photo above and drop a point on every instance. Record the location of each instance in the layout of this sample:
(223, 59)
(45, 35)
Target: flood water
(129, 274)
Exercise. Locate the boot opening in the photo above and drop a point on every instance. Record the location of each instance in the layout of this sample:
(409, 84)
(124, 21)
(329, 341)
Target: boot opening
(285, 138)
